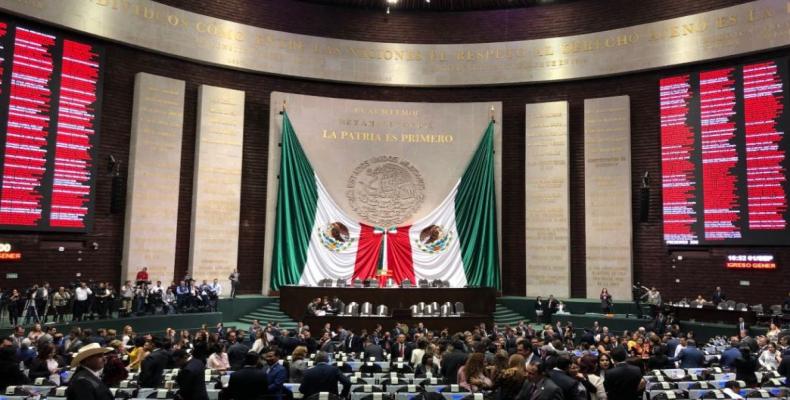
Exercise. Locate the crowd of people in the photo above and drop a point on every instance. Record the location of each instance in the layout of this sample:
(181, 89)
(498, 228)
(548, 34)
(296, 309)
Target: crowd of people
(549, 362)
(99, 300)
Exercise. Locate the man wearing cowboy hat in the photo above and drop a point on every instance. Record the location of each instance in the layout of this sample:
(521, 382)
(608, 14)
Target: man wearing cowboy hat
(86, 384)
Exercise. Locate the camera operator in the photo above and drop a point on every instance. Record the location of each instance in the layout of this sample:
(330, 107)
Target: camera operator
(81, 296)
(214, 293)
(182, 293)
(42, 299)
(127, 298)
(31, 313)
(193, 295)
(102, 300)
(140, 298)
(169, 300)
(204, 291)
(112, 299)
(13, 307)
(155, 294)
(142, 277)
(60, 300)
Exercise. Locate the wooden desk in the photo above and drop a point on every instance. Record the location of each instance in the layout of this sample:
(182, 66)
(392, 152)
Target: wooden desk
(436, 324)
(712, 314)
(480, 301)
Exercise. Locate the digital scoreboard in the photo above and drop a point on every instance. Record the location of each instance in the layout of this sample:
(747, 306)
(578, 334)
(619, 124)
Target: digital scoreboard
(49, 118)
(724, 156)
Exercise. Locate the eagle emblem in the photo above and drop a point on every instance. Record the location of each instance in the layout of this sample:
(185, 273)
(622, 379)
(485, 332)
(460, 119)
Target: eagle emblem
(434, 239)
(335, 237)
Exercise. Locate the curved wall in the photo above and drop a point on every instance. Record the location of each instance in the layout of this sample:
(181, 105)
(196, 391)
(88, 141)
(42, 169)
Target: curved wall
(652, 261)
(572, 18)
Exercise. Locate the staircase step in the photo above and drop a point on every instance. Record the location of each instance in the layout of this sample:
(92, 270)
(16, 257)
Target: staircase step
(269, 312)
(505, 315)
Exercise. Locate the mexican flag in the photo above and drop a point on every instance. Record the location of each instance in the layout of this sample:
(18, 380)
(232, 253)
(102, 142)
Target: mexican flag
(315, 239)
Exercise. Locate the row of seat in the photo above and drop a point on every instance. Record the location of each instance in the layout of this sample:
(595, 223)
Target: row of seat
(761, 393)
(374, 283)
(447, 309)
(731, 305)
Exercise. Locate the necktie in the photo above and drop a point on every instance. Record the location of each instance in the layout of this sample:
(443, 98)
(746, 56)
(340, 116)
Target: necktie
(401, 350)
(533, 390)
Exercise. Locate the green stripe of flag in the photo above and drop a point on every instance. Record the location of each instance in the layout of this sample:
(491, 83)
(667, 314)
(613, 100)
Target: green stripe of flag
(475, 216)
(297, 200)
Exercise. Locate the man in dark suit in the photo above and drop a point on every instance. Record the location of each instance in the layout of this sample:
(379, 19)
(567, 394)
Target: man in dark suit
(323, 378)
(191, 376)
(671, 343)
(784, 367)
(373, 350)
(742, 326)
(85, 384)
(236, 352)
(276, 375)
(749, 341)
(249, 382)
(569, 386)
(729, 356)
(401, 349)
(287, 341)
(623, 381)
(537, 386)
(691, 356)
(451, 362)
(718, 296)
(153, 365)
(353, 343)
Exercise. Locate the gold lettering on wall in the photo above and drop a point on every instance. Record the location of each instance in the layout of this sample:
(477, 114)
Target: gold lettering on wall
(607, 196)
(745, 28)
(154, 170)
(547, 228)
(216, 197)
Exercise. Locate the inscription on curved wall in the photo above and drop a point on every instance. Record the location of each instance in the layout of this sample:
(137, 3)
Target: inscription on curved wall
(749, 27)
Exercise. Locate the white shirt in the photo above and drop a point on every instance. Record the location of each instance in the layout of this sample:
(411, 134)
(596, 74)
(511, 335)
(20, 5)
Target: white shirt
(768, 360)
(257, 346)
(157, 289)
(81, 294)
(216, 288)
(678, 349)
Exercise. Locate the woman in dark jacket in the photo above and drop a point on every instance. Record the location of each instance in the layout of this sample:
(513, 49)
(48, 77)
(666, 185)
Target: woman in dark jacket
(10, 375)
(426, 367)
(658, 360)
(46, 364)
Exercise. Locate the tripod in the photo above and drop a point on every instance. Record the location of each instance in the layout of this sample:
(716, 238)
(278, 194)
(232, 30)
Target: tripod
(30, 308)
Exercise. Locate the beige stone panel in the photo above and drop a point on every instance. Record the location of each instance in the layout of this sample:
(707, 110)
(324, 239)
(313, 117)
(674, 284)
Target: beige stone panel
(607, 196)
(153, 178)
(216, 195)
(547, 206)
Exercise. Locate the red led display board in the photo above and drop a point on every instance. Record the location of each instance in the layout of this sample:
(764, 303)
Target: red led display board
(49, 115)
(724, 156)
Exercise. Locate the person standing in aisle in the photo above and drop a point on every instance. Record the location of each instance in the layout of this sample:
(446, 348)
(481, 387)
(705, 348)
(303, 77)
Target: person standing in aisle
(234, 283)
